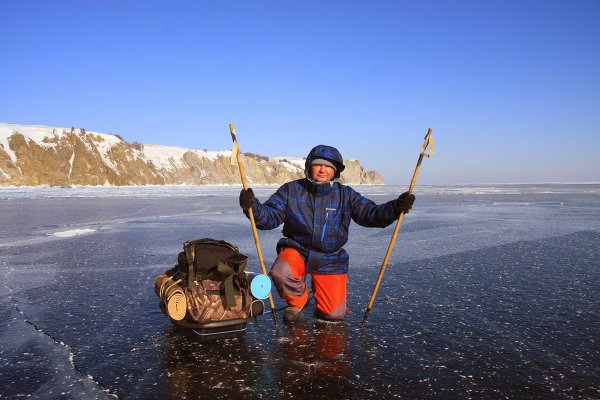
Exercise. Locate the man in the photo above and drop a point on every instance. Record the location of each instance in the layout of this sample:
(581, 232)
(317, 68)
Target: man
(316, 212)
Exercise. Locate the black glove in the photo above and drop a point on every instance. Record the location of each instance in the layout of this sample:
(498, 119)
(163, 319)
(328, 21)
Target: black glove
(404, 202)
(246, 198)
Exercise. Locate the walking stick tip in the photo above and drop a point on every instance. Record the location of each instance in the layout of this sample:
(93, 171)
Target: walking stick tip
(365, 317)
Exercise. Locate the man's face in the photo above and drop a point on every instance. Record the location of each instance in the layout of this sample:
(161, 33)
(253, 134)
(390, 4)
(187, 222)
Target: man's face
(322, 173)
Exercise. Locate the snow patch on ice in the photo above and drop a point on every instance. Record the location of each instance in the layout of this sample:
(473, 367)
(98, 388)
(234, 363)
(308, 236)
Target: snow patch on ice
(73, 232)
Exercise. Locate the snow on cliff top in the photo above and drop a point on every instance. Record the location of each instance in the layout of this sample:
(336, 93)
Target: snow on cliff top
(165, 156)
(37, 133)
(291, 163)
(161, 156)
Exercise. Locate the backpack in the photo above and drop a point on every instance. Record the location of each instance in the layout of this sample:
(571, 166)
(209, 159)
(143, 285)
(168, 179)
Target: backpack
(201, 256)
(209, 282)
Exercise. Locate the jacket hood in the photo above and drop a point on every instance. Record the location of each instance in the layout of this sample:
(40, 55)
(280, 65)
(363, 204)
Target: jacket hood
(328, 153)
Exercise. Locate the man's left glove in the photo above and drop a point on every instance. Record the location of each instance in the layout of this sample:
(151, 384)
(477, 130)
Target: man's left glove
(246, 198)
(404, 202)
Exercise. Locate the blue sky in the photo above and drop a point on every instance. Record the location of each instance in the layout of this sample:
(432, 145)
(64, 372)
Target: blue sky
(511, 89)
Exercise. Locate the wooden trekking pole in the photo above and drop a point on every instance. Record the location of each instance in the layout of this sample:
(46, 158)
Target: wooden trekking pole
(235, 152)
(427, 143)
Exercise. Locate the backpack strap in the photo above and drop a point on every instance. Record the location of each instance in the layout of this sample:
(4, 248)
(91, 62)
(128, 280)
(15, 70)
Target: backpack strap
(229, 269)
(189, 253)
(227, 273)
(238, 262)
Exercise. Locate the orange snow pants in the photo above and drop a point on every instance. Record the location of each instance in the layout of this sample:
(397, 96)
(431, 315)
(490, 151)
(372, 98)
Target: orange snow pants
(289, 273)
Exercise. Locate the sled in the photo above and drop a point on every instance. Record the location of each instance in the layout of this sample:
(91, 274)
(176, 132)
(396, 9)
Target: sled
(234, 328)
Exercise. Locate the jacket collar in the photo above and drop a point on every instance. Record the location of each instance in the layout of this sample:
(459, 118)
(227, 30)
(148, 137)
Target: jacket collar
(318, 188)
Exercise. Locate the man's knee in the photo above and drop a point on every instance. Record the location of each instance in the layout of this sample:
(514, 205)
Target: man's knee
(330, 295)
(289, 263)
(332, 315)
(279, 271)
(288, 272)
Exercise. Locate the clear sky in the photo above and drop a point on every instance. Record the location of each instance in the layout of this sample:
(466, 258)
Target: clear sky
(511, 89)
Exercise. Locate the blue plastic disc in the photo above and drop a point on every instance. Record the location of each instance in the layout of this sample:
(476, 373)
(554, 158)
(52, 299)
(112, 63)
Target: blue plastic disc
(260, 286)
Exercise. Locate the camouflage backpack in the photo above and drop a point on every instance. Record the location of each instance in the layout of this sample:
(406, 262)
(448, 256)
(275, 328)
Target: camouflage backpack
(214, 280)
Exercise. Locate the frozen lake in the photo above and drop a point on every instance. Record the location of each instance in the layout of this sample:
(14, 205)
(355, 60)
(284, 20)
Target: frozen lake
(491, 292)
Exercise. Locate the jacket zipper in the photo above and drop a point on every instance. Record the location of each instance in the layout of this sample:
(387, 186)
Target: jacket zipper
(324, 227)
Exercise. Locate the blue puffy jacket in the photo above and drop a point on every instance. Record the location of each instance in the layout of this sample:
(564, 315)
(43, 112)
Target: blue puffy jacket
(316, 217)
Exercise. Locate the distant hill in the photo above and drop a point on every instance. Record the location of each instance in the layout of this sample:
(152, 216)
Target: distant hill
(48, 156)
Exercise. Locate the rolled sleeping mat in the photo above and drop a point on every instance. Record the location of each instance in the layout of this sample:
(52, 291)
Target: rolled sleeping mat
(172, 296)
(260, 285)
(176, 302)
(158, 282)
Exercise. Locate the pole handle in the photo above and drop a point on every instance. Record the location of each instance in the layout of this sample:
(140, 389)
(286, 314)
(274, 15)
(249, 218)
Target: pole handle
(428, 143)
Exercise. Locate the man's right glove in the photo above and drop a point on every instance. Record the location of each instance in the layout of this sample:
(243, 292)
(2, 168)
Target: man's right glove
(246, 198)
(404, 202)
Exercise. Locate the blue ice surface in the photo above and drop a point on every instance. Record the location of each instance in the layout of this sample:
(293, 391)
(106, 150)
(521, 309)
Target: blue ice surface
(492, 291)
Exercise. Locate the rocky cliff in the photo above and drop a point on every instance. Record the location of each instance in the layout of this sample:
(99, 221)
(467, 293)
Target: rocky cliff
(41, 155)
